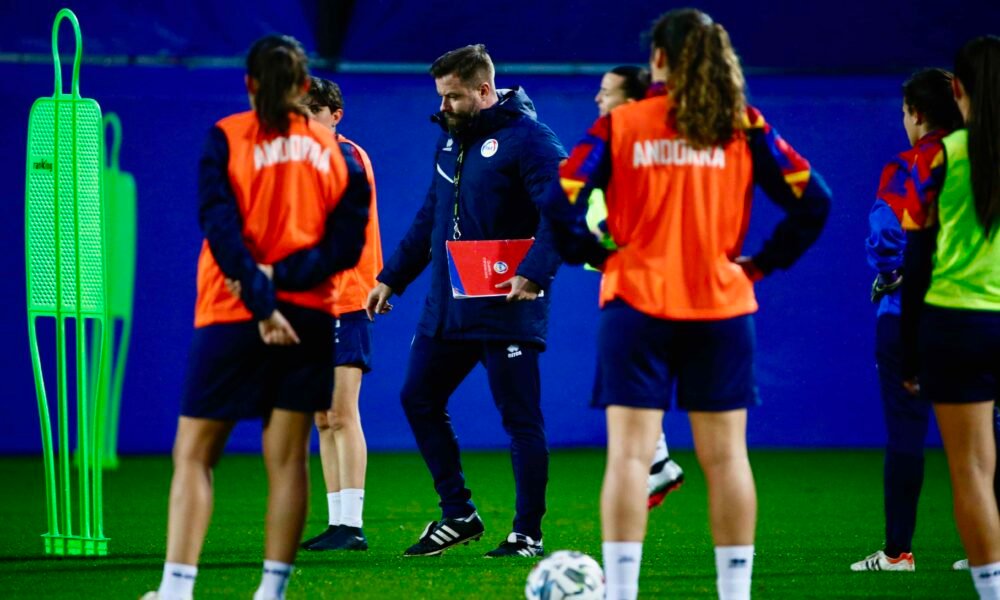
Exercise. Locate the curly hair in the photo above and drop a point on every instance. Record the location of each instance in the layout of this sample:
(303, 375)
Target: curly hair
(706, 80)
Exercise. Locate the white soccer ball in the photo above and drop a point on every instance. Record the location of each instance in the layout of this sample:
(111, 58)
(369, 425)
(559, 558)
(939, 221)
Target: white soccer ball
(566, 574)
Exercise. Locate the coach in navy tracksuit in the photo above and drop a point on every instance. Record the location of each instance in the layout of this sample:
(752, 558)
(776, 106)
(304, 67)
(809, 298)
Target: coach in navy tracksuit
(494, 163)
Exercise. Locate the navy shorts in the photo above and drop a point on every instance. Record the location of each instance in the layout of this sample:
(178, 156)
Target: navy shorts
(354, 340)
(641, 359)
(959, 355)
(232, 375)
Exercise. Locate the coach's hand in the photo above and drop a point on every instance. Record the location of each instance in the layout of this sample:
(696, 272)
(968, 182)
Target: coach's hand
(378, 301)
(277, 331)
(521, 288)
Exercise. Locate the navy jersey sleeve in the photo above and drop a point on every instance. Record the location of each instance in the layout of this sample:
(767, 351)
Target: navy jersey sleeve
(789, 181)
(588, 167)
(222, 225)
(344, 237)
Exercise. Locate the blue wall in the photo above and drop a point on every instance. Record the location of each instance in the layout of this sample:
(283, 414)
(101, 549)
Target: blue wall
(815, 359)
(815, 327)
(850, 35)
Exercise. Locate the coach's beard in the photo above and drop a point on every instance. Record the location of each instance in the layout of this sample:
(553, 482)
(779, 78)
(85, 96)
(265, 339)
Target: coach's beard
(459, 123)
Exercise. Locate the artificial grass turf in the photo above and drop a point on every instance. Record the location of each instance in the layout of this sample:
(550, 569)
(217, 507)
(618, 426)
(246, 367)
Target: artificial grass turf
(819, 511)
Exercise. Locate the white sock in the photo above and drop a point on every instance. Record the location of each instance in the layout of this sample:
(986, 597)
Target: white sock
(987, 581)
(177, 582)
(733, 567)
(621, 569)
(333, 507)
(274, 581)
(352, 502)
(662, 453)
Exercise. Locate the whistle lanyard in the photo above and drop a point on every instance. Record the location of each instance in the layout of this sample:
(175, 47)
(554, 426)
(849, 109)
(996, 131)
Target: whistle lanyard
(456, 233)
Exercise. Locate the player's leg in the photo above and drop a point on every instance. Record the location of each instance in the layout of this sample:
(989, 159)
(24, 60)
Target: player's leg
(331, 477)
(635, 383)
(225, 375)
(197, 449)
(302, 385)
(716, 384)
(436, 367)
(286, 456)
(720, 444)
(348, 454)
(960, 375)
(966, 430)
(512, 370)
(623, 514)
(906, 419)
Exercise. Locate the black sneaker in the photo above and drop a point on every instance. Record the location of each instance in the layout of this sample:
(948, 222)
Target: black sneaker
(517, 545)
(344, 538)
(329, 532)
(438, 536)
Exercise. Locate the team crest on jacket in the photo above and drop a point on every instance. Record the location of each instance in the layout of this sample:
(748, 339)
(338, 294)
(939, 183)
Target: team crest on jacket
(489, 148)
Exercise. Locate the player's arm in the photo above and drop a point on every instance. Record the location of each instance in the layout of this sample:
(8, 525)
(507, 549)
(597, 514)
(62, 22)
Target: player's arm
(886, 239)
(587, 168)
(343, 239)
(788, 180)
(222, 226)
(921, 242)
(539, 169)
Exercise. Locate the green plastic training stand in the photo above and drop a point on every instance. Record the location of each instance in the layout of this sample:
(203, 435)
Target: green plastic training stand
(120, 206)
(66, 256)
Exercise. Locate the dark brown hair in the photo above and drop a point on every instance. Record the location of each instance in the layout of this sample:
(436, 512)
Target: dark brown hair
(471, 64)
(977, 67)
(928, 92)
(279, 65)
(636, 80)
(325, 93)
(706, 80)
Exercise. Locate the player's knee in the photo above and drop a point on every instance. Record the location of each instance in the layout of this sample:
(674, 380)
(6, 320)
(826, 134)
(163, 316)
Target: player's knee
(341, 418)
(322, 420)
(723, 459)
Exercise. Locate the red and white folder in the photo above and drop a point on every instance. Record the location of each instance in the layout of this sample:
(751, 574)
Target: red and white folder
(477, 266)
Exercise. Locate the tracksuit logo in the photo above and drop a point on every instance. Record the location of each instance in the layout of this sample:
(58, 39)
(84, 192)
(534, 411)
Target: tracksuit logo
(513, 351)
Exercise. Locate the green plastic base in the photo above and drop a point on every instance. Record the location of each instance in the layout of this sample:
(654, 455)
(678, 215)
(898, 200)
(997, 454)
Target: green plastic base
(72, 545)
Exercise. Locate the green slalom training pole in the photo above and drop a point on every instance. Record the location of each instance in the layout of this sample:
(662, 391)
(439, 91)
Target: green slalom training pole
(66, 274)
(120, 204)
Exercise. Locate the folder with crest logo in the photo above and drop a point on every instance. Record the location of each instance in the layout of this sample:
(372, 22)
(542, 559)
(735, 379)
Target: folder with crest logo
(477, 266)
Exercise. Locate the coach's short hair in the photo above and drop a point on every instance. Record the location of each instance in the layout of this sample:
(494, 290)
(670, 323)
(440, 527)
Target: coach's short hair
(471, 64)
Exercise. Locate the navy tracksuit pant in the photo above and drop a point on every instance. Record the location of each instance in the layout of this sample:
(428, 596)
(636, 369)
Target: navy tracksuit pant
(436, 367)
(906, 420)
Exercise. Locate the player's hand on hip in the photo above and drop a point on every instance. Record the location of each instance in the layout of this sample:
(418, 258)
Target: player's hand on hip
(234, 287)
(750, 268)
(378, 301)
(521, 288)
(277, 331)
